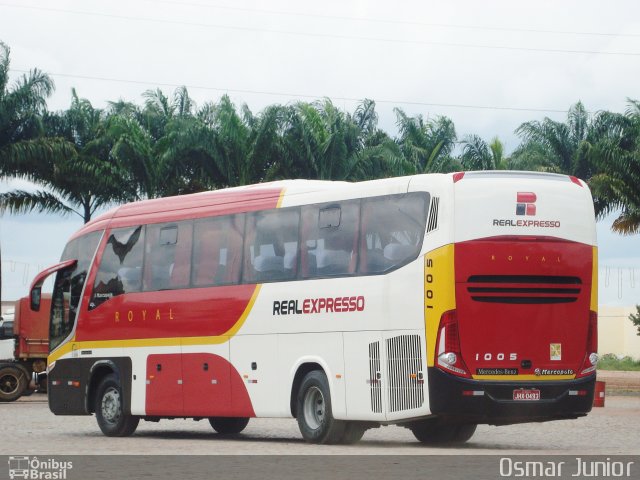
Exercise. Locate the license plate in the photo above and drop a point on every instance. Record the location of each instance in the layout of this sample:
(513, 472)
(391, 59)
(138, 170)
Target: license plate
(526, 394)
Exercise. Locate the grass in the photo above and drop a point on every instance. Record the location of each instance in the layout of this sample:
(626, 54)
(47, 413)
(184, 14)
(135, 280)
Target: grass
(612, 362)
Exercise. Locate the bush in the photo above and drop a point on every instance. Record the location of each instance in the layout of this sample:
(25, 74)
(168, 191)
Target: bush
(612, 362)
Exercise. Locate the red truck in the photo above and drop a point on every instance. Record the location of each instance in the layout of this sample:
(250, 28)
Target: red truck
(30, 332)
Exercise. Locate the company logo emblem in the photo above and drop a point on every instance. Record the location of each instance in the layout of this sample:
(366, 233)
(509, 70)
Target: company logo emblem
(34, 468)
(18, 467)
(555, 351)
(526, 203)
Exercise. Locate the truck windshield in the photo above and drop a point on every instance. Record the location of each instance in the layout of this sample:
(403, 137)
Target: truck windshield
(68, 286)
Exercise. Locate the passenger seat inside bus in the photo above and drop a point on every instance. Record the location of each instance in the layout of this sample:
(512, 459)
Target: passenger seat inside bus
(269, 268)
(397, 253)
(332, 262)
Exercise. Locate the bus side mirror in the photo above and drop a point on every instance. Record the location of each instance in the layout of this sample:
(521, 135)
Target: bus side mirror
(36, 295)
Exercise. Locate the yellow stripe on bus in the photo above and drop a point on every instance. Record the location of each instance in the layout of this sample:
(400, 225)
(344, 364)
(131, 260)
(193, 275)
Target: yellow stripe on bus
(439, 293)
(157, 342)
(594, 281)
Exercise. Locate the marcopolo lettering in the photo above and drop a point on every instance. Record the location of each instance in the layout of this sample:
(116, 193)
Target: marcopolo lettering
(319, 305)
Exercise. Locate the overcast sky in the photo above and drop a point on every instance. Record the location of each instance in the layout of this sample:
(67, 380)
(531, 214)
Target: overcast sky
(488, 65)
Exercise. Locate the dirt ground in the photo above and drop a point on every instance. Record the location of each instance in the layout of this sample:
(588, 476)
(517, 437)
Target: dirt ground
(33, 429)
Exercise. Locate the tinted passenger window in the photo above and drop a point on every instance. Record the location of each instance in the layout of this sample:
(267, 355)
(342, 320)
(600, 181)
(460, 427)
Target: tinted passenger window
(120, 269)
(217, 250)
(392, 231)
(330, 239)
(271, 246)
(167, 262)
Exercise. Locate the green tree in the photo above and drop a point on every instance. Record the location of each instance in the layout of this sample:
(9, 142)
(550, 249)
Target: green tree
(320, 141)
(561, 147)
(478, 155)
(22, 143)
(427, 144)
(102, 170)
(635, 319)
(616, 186)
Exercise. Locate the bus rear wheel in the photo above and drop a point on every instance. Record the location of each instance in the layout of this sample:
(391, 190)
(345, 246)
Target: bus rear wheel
(229, 425)
(432, 432)
(313, 408)
(109, 408)
(13, 383)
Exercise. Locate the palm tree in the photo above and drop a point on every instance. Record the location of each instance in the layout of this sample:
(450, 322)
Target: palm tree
(21, 134)
(556, 146)
(478, 155)
(616, 187)
(427, 144)
(318, 141)
(93, 177)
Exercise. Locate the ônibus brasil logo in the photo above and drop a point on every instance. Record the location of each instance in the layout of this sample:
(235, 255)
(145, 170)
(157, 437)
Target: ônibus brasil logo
(526, 206)
(33, 468)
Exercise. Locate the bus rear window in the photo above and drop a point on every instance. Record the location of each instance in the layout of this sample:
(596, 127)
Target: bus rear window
(392, 231)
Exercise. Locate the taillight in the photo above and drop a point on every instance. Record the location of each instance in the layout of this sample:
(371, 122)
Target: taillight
(448, 355)
(591, 356)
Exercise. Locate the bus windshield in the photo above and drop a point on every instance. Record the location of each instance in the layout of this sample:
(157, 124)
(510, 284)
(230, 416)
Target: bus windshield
(68, 286)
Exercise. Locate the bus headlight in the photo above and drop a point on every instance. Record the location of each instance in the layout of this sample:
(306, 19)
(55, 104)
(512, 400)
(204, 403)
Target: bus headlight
(593, 358)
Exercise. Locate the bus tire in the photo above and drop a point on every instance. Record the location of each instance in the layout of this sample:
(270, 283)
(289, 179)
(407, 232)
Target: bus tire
(13, 383)
(315, 417)
(109, 409)
(432, 432)
(229, 425)
(465, 432)
(353, 432)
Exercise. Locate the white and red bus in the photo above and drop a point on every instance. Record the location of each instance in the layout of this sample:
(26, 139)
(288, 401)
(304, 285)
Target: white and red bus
(436, 302)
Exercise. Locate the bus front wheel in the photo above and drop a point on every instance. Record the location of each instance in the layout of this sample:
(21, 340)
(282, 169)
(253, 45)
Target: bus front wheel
(229, 425)
(315, 417)
(434, 432)
(109, 409)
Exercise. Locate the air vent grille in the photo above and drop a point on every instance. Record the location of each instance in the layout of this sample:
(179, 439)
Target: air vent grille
(432, 224)
(524, 289)
(374, 382)
(404, 364)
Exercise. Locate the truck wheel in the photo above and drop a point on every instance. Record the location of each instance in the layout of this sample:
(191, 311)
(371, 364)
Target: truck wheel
(229, 425)
(13, 383)
(315, 418)
(109, 409)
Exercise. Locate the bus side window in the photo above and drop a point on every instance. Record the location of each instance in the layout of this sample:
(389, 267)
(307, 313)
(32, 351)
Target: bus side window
(271, 246)
(330, 239)
(167, 263)
(392, 231)
(120, 269)
(217, 252)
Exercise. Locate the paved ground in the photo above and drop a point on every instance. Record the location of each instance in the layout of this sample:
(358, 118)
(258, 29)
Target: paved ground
(33, 430)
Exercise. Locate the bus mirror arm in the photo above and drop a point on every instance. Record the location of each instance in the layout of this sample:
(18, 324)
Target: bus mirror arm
(35, 292)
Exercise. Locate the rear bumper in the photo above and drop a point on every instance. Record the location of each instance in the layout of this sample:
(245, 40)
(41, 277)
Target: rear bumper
(496, 406)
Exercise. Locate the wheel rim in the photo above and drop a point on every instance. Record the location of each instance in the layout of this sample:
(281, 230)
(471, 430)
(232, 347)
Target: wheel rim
(110, 407)
(314, 408)
(9, 384)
